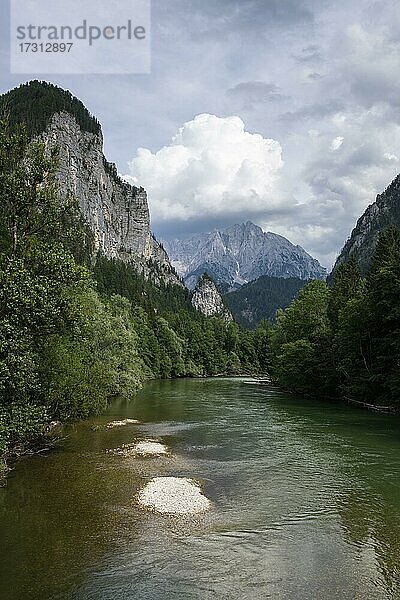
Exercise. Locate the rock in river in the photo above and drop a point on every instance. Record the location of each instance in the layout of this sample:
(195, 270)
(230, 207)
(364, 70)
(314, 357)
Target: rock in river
(174, 495)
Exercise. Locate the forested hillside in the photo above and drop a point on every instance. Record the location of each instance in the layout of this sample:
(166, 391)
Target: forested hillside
(344, 340)
(74, 334)
(260, 299)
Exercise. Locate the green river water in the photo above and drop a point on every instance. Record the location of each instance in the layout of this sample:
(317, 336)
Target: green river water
(305, 502)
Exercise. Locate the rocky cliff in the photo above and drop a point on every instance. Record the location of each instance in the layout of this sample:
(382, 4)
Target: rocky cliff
(207, 299)
(239, 254)
(383, 212)
(116, 212)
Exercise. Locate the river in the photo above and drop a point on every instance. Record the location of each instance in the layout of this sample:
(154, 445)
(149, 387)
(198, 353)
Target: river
(305, 502)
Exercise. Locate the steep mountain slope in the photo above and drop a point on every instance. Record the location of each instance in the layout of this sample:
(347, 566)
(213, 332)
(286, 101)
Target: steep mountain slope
(116, 212)
(260, 299)
(239, 254)
(383, 212)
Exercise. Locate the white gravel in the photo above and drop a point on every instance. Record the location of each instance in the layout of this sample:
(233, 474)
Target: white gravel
(174, 495)
(148, 448)
(121, 423)
(143, 448)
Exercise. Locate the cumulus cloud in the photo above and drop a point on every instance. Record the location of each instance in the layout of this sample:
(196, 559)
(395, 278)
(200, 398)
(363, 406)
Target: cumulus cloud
(304, 72)
(212, 167)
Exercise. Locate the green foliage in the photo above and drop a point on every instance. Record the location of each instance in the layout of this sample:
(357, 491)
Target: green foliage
(260, 299)
(347, 281)
(115, 277)
(21, 422)
(34, 103)
(98, 361)
(370, 329)
(301, 343)
(345, 340)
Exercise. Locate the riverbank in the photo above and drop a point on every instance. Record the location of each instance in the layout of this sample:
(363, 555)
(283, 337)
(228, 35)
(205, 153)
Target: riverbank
(42, 443)
(45, 438)
(394, 410)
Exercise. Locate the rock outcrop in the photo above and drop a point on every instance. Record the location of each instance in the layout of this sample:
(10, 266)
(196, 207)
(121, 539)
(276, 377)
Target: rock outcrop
(116, 212)
(207, 299)
(385, 211)
(239, 254)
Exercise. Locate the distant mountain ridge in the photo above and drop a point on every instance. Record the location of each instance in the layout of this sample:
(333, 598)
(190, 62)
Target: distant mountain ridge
(239, 254)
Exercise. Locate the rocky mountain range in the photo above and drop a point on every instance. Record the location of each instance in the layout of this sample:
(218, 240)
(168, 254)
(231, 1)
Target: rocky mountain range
(385, 211)
(239, 254)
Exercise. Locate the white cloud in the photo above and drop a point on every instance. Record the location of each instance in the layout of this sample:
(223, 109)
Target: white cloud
(337, 142)
(391, 156)
(211, 167)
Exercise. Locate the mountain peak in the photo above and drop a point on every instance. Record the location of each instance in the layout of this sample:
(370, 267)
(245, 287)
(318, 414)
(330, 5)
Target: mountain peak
(252, 226)
(239, 254)
(116, 212)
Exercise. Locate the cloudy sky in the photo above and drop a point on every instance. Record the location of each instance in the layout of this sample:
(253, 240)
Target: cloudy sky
(284, 112)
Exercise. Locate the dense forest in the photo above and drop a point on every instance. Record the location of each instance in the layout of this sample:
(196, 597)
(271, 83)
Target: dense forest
(48, 99)
(77, 330)
(260, 299)
(344, 340)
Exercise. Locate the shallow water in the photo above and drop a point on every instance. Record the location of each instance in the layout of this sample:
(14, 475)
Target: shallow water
(305, 502)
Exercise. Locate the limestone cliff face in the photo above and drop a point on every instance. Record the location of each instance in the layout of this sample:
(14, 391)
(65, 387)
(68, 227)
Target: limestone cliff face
(207, 300)
(385, 211)
(117, 213)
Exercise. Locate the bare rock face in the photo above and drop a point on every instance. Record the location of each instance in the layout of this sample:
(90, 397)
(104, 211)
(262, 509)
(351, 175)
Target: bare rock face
(239, 254)
(207, 299)
(385, 211)
(117, 213)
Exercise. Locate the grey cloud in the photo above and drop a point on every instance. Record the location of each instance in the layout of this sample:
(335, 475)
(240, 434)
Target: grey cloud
(371, 86)
(249, 94)
(310, 54)
(251, 12)
(212, 19)
(315, 76)
(313, 111)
